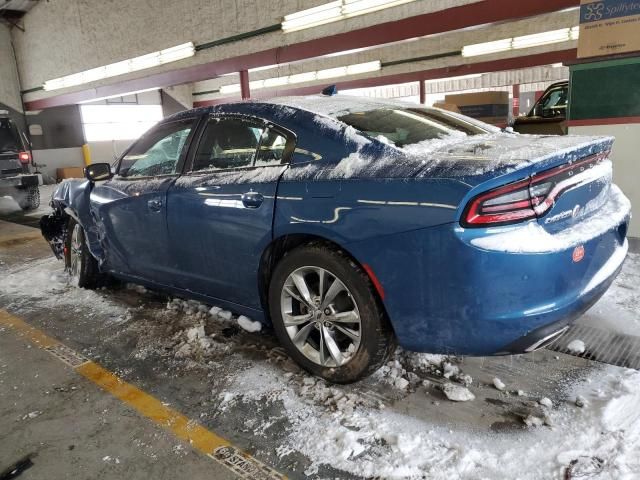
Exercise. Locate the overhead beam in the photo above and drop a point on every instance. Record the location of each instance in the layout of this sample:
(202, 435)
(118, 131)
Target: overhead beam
(515, 63)
(455, 18)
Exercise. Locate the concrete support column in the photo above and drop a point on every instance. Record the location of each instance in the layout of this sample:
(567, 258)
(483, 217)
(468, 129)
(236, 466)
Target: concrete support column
(423, 92)
(245, 93)
(516, 100)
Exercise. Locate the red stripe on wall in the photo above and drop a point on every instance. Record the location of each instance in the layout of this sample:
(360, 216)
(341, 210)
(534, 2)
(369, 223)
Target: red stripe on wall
(603, 121)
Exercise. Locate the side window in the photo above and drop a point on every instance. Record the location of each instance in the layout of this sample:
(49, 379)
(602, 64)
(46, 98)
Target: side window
(157, 152)
(554, 100)
(272, 148)
(228, 143)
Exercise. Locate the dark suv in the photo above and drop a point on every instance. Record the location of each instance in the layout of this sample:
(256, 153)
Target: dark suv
(549, 114)
(16, 179)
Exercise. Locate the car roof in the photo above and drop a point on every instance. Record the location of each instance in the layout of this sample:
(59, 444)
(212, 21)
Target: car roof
(333, 106)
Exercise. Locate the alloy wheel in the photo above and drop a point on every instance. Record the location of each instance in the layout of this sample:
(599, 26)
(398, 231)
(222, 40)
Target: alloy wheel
(320, 316)
(75, 255)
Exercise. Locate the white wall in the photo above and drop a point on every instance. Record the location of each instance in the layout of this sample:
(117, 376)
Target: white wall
(9, 87)
(51, 159)
(625, 161)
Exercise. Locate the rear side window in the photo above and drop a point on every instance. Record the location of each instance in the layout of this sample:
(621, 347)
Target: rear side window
(228, 143)
(272, 148)
(406, 126)
(157, 152)
(9, 136)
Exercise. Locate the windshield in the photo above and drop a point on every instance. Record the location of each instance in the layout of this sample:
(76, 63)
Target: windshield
(406, 126)
(9, 140)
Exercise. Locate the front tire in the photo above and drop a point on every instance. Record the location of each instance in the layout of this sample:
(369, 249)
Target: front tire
(326, 314)
(79, 263)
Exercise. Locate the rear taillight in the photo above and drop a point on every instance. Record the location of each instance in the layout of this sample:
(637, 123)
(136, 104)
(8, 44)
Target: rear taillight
(526, 199)
(24, 157)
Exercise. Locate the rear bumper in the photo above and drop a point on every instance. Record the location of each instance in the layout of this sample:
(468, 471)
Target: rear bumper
(444, 293)
(20, 181)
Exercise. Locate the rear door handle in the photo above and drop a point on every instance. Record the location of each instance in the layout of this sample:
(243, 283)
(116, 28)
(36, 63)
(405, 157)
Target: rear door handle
(155, 205)
(252, 199)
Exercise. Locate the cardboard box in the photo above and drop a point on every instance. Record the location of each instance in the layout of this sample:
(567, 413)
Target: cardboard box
(69, 172)
(490, 107)
(447, 106)
(608, 27)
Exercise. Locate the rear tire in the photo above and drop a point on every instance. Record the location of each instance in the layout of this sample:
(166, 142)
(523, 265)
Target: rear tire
(336, 331)
(28, 198)
(79, 263)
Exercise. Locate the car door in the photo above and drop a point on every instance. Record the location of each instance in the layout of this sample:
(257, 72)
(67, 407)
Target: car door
(130, 209)
(220, 212)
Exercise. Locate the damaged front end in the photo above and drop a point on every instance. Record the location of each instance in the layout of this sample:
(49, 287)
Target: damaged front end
(54, 230)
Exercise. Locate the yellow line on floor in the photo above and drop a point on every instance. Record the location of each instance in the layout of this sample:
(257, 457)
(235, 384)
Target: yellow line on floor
(181, 426)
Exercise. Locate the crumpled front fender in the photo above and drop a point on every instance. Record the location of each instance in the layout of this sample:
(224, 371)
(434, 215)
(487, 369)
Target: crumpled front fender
(72, 199)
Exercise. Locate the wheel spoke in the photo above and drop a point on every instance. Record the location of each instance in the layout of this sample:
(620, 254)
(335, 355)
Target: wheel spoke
(321, 281)
(352, 334)
(301, 285)
(293, 294)
(332, 346)
(323, 355)
(295, 320)
(301, 337)
(335, 288)
(345, 317)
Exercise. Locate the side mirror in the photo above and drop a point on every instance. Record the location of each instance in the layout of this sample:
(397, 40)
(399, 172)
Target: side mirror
(98, 171)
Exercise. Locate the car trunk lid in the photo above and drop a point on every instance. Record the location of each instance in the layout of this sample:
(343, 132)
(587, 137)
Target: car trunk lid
(552, 179)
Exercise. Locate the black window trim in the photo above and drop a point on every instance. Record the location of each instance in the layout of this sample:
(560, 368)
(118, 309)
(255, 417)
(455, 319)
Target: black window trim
(287, 155)
(195, 120)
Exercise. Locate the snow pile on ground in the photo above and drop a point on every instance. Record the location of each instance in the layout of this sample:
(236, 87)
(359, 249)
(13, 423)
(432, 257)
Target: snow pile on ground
(44, 283)
(249, 325)
(457, 393)
(202, 311)
(576, 346)
(384, 443)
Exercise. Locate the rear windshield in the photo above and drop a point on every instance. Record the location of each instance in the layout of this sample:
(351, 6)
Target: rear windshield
(9, 139)
(406, 126)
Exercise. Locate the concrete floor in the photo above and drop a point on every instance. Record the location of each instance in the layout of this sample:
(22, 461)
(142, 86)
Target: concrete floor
(80, 431)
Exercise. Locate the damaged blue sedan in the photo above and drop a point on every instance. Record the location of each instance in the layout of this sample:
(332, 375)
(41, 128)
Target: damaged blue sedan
(351, 225)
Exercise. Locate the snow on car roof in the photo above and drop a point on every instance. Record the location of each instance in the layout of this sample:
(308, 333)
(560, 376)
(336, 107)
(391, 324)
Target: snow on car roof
(338, 105)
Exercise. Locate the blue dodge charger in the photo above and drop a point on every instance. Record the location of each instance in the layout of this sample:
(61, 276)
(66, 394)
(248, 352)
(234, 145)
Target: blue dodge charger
(351, 225)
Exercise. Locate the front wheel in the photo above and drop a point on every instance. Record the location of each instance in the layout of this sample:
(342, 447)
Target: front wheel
(326, 314)
(79, 263)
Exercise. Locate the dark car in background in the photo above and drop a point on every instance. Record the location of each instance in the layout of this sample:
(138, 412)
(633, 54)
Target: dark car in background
(548, 116)
(16, 180)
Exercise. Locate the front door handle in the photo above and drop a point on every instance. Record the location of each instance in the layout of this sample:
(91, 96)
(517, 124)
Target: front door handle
(252, 199)
(155, 205)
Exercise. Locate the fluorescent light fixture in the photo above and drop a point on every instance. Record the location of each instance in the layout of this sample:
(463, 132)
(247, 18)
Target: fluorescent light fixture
(486, 48)
(557, 65)
(459, 77)
(149, 60)
(233, 88)
(525, 41)
(355, 69)
(545, 38)
(334, 11)
(360, 7)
